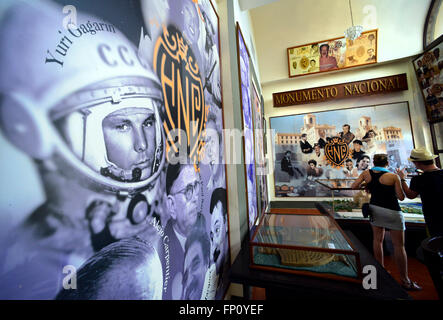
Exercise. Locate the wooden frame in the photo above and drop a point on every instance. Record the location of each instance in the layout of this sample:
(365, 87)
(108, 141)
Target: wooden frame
(352, 252)
(338, 109)
(428, 68)
(438, 151)
(229, 262)
(429, 27)
(318, 43)
(261, 179)
(239, 35)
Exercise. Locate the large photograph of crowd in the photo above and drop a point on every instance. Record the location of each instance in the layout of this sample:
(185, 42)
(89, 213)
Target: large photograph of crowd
(428, 69)
(114, 183)
(299, 142)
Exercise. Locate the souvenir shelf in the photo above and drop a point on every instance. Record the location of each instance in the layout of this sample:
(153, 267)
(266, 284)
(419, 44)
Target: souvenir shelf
(308, 244)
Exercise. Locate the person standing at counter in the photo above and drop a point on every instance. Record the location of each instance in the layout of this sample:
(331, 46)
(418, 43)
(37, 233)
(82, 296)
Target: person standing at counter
(429, 186)
(386, 190)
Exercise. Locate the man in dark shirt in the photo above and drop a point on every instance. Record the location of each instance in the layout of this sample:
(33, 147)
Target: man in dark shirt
(431, 99)
(305, 146)
(286, 164)
(322, 140)
(429, 186)
(346, 135)
(357, 152)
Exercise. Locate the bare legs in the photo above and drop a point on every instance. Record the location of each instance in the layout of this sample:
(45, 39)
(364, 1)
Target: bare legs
(377, 243)
(398, 241)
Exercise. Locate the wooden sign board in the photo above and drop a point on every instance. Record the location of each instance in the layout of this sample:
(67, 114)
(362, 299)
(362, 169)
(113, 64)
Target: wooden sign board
(341, 91)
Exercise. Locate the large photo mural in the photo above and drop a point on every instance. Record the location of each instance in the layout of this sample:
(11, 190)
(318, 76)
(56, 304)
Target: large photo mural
(248, 128)
(299, 143)
(260, 160)
(111, 141)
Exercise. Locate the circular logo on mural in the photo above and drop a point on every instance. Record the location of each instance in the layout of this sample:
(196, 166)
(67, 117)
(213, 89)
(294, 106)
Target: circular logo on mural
(336, 152)
(184, 114)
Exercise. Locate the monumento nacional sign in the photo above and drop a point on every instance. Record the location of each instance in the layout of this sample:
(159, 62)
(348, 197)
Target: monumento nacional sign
(341, 91)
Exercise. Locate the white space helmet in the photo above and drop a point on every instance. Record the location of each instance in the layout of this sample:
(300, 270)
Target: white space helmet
(63, 90)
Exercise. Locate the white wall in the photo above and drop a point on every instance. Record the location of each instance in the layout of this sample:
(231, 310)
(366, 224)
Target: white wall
(438, 28)
(287, 23)
(243, 18)
(413, 96)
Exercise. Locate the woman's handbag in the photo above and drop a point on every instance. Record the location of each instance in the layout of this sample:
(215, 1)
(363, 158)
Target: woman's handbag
(366, 210)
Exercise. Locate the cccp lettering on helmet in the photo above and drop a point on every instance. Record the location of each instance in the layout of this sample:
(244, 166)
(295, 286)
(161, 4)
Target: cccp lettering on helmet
(117, 56)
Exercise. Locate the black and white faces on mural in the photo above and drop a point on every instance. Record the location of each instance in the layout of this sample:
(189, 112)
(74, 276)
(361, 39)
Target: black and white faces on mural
(100, 116)
(248, 126)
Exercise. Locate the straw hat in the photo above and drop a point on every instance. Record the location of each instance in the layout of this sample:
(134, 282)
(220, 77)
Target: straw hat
(421, 154)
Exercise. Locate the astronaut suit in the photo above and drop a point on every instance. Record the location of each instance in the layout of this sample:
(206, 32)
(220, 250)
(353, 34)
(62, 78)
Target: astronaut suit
(83, 104)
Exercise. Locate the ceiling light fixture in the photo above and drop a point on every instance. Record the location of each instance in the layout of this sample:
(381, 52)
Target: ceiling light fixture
(353, 32)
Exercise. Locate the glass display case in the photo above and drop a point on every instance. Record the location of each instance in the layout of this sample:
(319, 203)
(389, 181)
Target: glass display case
(351, 207)
(342, 188)
(310, 244)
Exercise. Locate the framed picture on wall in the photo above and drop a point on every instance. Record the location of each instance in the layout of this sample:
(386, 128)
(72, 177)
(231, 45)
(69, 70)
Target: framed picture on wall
(429, 72)
(260, 161)
(332, 54)
(248, 128)
(299, 142)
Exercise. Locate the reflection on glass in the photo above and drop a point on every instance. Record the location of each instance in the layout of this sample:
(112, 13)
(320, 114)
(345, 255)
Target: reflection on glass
(438, 129)
(336, 184)
(301, 230)
(303, 242)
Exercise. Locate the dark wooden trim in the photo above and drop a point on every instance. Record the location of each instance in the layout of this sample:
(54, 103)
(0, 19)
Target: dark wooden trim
(308, 273)
(302, 248)
(399, 82)
(426, 25)
(434, 144)
(306, 211)
(428, 46)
